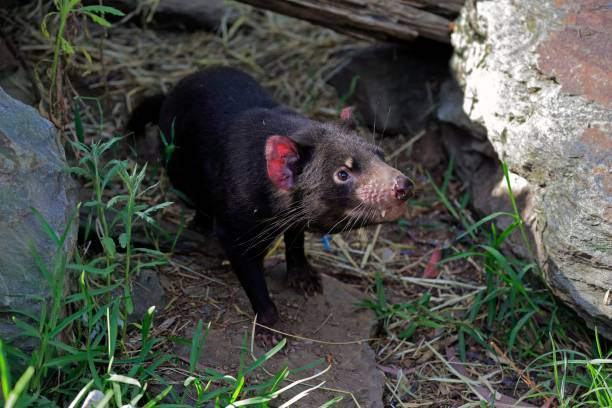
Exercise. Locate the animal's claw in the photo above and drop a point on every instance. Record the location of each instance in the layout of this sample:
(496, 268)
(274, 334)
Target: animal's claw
(305, 279)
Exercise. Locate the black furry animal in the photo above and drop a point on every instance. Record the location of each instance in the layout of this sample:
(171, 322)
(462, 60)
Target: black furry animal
(258, 169)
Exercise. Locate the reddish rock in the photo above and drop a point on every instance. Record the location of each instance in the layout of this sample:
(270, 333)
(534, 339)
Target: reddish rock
(579, 57)
(537, 77)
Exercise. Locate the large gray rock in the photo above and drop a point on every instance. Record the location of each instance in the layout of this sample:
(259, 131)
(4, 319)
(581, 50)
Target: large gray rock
(536, 75)
(32, 175)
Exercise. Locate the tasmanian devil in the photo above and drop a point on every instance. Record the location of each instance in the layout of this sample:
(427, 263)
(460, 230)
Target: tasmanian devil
(255, 169)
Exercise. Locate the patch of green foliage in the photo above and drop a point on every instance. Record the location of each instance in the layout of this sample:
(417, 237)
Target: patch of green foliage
(65, 9)
(574, 378)
(168, 143)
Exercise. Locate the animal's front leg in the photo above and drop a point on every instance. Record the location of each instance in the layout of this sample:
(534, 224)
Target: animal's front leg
(248, 267)
(300, 274)
(251, 276)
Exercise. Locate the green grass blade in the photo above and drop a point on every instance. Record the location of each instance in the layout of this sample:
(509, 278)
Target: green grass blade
(27, 328)
(482, 221)
(65, 360)
(158, 398)
(448, 173)
(79, 297)
(443, 199)
(239, 385)
(196, 346)
(103, 272)
(46, 226)
(124, 380)
(146, 324)
(117, 394)
(332, 402)
(515, 330)
(81, 394)
(4, 373)
(517, 213)
(65, 323)
(101, 9)
(78, 123)
(266, 356)
(112, 321)
(20, 387)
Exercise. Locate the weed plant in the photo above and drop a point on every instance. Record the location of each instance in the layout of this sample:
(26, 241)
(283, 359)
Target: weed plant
(64, 10)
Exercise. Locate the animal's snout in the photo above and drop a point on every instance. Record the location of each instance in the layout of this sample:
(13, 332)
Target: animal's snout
(402, 187)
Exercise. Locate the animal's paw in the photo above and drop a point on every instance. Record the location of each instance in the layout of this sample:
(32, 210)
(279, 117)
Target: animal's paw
(266, 339)
(304, 279)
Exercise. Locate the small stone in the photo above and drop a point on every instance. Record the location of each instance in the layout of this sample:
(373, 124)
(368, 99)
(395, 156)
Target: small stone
(387, 254)
(92, 399)
(147, 291)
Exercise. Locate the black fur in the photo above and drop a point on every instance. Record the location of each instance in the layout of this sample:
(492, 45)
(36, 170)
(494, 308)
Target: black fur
(146, 112)
(221, 119)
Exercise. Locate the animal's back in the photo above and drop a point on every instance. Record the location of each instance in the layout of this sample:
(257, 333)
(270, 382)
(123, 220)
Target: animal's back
(207, 112)
(214, 96)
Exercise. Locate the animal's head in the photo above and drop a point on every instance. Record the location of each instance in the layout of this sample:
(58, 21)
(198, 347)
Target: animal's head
(334, 179)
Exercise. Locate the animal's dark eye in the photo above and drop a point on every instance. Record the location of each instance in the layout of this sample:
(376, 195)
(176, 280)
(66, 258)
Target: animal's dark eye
(342, 175)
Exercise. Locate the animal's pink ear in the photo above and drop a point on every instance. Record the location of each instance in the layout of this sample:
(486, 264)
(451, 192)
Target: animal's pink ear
(281, 154)
(346, 114)
(347, 118)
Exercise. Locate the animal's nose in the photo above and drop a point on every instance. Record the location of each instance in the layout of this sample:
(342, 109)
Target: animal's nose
(402, 187)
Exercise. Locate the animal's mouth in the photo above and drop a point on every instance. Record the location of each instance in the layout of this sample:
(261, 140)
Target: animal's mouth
(392, 213)
(380, 214)
(360, 216)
